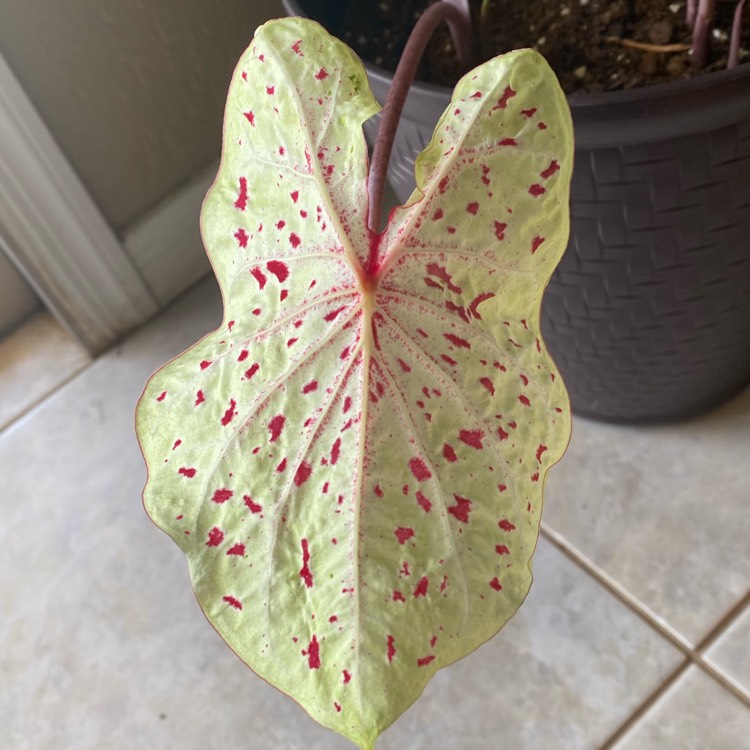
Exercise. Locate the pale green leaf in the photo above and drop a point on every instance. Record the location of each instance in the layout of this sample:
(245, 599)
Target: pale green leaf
(353, 463)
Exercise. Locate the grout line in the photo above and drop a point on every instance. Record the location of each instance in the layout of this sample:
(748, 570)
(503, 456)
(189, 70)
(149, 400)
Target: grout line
(694, 655)
(618, 591)
(644, 707)
(17, 418)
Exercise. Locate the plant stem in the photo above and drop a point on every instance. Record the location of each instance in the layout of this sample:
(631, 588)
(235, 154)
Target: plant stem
(734, 41)
(702, 32)
(456, 14)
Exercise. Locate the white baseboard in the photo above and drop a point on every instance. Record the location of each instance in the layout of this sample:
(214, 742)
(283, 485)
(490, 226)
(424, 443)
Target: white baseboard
(165, 245)
(56, 235)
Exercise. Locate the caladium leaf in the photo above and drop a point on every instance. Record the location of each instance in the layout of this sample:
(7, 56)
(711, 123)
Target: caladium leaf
(353, 462)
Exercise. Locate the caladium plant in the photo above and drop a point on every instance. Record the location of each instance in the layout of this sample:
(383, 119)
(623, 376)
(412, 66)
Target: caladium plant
(353, 463)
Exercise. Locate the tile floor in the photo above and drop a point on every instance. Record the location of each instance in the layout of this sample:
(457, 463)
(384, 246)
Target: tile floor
(636, 634)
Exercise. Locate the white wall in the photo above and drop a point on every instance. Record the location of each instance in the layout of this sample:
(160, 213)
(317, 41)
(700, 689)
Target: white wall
(132, 90)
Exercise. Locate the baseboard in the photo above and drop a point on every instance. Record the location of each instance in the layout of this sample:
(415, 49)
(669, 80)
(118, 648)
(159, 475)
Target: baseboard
(165, 245)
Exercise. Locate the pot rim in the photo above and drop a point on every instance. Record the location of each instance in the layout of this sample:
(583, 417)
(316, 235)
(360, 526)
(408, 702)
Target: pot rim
(647, 114)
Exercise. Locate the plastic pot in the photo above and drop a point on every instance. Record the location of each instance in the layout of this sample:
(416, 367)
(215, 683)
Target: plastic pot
(648, 313)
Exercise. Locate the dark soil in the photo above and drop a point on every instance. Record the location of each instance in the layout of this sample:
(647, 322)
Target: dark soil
(585, 41)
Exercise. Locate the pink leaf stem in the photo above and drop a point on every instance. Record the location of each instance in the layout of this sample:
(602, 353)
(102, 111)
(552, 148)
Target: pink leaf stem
(456, 14)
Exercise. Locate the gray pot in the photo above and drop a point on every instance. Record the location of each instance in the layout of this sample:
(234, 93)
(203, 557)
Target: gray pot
(648, 313)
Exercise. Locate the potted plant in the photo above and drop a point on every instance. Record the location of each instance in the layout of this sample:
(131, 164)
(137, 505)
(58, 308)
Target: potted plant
(646, 314)
(353, 462)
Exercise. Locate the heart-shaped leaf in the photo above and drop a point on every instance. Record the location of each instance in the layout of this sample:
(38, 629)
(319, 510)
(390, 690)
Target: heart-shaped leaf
(354, 462)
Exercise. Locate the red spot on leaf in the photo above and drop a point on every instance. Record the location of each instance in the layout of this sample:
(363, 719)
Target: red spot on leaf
(488, 384)
(403, 534)
(253, 507)
(282, 466)
(347, 676)
(495, 584)
(524, 400)
(321, 74)
(250, 117)
(237, 549)
(242, 237)
(337, 706)
(449, 454)
(528, 112)
(215, 537)
(476, 95)
(260, 277)
(403, 365)
(424, 502)
(187, 472)
(331, 316)
(251, 371)
(241, 201)
(335, 451)
(199, 398)
(378, 491)
(294, 240)
(222, 495)
(502, 102)
(421, 588)
(275, 426)
(502, 487)
(438, 214)
(296, 48)
(310, 387)
(435, 269)
(506, 525)
(206, 363)
(302, 474)
(541, 126)
(502, 434)
(443, 185)
(419, 469)
(232, 602)
(452, 362)
(177, 443)
(500, 228)
(398, 597)
(161, 396)
(535, 243)
(539, 451)
(230, 413)
(472, 438)
(551, 169)
(460, 511)
(391, 648)
(278, 269)
(508, 142)
(313, 654)
(473, 208)
(535, 478)
(305, 573)
(457, 341)
(425, 660)
(270, 90)
(501, 549)
(536, 190)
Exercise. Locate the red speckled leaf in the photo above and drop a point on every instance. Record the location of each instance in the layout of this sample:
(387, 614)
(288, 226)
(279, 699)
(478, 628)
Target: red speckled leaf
(353, 463)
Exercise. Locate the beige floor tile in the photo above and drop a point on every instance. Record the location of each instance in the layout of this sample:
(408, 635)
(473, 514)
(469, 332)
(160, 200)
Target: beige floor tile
(662, 510)
(103, 646)
(694, 714)
(731, 652)
(34, 360)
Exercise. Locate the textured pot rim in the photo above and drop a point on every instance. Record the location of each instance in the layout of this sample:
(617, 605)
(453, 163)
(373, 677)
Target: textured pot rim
(643, 115)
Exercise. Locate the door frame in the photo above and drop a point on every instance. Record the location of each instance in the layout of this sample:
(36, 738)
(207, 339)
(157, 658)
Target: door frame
(56, 235)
